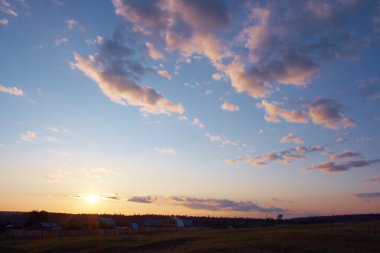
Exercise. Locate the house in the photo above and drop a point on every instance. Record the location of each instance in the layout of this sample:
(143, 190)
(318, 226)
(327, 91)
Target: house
(179, 222)
(105, 222)
(46, 226)
(188, 223)
(162, 222)
(134, 226)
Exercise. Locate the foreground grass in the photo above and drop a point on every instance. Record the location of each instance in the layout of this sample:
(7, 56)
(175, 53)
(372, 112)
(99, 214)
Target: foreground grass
(355, 237)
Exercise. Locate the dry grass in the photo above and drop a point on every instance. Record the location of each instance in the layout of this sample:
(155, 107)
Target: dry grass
(334, 238)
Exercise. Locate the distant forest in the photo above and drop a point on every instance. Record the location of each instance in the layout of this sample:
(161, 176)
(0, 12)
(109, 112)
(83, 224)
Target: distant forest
(91, 221)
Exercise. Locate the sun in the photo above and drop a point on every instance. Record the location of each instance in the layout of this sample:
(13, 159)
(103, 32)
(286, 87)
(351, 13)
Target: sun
(92, 198)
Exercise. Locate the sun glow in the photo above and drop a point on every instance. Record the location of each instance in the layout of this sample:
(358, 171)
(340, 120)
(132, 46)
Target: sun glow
(92, 198)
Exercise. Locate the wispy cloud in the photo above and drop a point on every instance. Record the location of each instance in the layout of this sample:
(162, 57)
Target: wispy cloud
(197, 122)
(286, 156)
(213, 138)
(230, 107)
(153, 52)
(29, 136)
(4, 21)
(60, 41)
(166, 151)
(209, 204)
(374, 179)
(281, 200)
(58, 2)
(368, 196)
(292, 138)
(217, 76)
(53, 129)
(11, 90)
(103, 196)
(7, 8)
(182, 117)
(73, 24)
(333, 167)
(165, 74)
(51, 139)
(370, 88)
(142, 199)
(345, 154)
(58, 174)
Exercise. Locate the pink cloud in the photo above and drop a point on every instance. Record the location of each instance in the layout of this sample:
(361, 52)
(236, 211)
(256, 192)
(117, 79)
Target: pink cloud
(292, 138)
(123, 90)
(320, 111)
(13, 90)
(230, 107)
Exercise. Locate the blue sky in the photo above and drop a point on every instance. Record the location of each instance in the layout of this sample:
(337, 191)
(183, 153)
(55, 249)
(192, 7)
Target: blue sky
(227, 108)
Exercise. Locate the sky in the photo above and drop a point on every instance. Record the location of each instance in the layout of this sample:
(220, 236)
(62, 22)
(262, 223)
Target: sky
(190, 107)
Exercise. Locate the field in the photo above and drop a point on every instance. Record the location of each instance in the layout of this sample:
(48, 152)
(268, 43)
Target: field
(351, 237)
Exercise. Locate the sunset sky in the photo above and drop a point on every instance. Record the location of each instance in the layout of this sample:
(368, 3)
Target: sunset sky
(220, 108)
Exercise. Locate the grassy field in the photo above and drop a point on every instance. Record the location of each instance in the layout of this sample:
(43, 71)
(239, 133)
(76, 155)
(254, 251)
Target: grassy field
(355, 238)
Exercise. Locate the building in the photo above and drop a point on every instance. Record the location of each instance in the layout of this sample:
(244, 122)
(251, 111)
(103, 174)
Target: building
(105, 222)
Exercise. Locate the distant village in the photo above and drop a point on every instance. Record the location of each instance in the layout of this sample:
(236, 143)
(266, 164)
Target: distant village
(44, 224)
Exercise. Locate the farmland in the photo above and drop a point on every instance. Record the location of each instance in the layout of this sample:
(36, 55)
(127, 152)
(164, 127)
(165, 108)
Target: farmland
(345, 237)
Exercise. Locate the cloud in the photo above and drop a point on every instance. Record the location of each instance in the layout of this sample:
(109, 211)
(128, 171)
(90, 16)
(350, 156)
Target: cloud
(4, 21)
(165, 74)
(287, 49)
(118, 82)
(166, 151)
(292, 138)
(153, 52)
(376, 19)
(281, 200)
(223, 205)
(286, 156)
(187, 26)
(208, 92)
(328, 112)
(197, 122)
(217, 76)
(53, 129)
(209, 204)
(374, 179)
(225, 141)
(213, 138)
(73, 24)
(13, 90)
(142, 199)
(97, 41)
(370, 88)
(60, 41)
(29, 136)
(345, 154)
(341, 139)
(274, 113)
(245, 82)
(51, 139)
(230, 107)
(6, 8)
(56, 175)
(182, 117)
(320, 111)
(368, 196)
(103, 196)
(58, 2)
(281, 50)
(333, 167)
